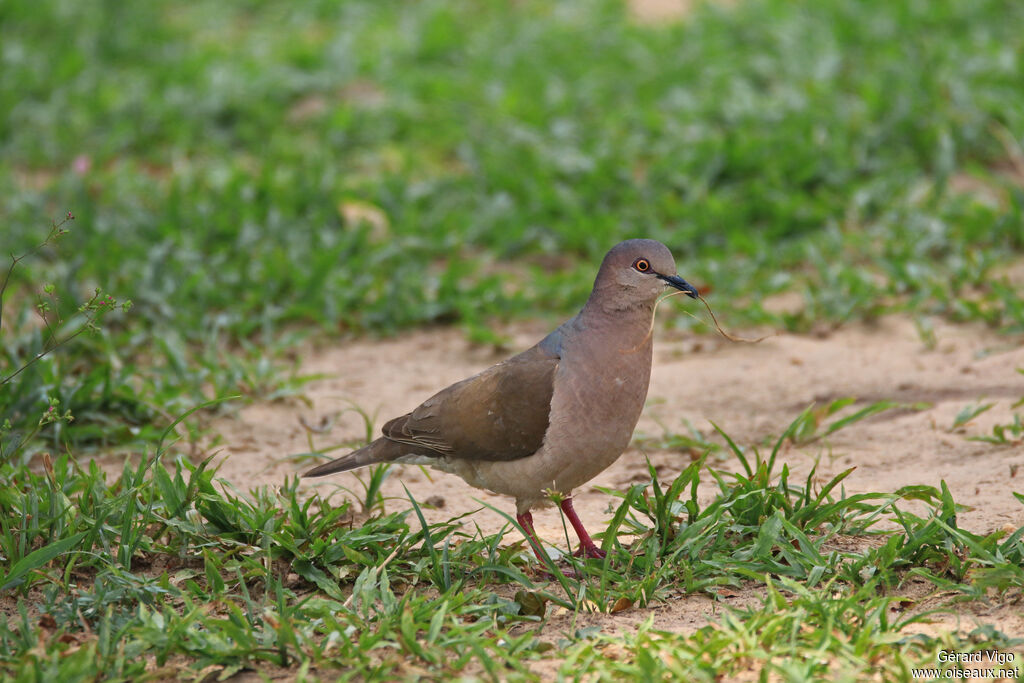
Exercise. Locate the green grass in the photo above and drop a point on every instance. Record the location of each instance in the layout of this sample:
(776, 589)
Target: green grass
(1010, 433)
(795, 635)
(251, 176)
(167, 571)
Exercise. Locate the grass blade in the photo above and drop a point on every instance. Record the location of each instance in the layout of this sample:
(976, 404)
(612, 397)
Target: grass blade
(38, 558)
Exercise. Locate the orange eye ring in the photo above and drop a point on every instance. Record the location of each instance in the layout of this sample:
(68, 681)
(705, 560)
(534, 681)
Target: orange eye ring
(642, 265)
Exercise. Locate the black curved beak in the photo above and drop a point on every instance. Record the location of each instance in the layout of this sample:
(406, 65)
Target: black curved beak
(680, 284)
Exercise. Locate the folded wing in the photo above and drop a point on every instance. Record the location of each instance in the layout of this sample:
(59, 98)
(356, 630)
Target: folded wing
(498, 414)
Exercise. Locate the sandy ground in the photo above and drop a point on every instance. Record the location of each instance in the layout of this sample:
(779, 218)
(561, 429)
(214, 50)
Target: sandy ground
(752, 391)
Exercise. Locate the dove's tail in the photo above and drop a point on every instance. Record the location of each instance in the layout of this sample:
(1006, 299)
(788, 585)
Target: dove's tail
(381, 450)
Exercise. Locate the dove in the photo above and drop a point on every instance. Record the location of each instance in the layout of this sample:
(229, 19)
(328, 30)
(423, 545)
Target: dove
(551, 418)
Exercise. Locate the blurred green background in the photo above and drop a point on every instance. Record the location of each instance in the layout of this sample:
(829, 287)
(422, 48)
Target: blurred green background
(248, 172)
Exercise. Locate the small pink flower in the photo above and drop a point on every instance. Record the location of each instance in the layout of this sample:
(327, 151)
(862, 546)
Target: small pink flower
(82, 164)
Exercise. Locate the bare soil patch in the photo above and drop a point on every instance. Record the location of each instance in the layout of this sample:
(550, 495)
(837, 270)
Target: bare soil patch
(666, 11)
(752, 391)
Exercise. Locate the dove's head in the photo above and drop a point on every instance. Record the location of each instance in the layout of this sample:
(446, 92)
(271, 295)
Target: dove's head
(635, 273)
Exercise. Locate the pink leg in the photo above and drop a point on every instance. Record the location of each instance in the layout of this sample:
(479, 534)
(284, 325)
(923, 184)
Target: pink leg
(587, 547)
(526, 521)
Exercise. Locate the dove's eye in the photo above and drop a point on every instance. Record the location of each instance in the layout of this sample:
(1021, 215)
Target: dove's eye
(642, 264)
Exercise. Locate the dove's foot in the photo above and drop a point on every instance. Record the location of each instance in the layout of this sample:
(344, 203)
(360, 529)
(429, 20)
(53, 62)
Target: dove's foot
(588, 549)
(526, 521)
(589, 552)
